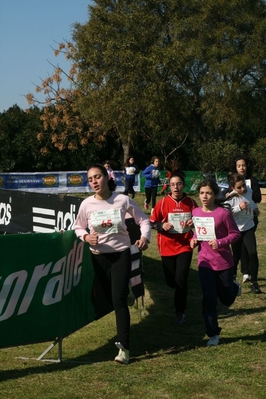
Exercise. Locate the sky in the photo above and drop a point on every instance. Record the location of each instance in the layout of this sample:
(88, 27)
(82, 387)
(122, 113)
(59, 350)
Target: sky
(29, 30)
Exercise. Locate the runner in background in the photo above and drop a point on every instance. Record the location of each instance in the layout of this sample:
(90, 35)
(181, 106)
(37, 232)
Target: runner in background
(215, 231)
(111, 173)
(243, 165)
(130, 171)
(172, 219)
(151, 174)
(243, 208)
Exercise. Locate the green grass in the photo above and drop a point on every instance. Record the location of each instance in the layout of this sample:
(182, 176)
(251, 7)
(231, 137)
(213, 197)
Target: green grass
(167, 361)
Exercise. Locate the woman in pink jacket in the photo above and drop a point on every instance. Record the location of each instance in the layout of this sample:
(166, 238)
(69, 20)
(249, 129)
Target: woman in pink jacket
(101, 223)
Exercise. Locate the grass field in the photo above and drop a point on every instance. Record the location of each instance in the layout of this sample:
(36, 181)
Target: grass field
(167, 361)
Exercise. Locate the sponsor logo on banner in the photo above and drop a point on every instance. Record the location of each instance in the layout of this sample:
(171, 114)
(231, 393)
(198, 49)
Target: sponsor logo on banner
(18, 288)
(50, 180)
(48, 220)
(75, 180)
(5, 212)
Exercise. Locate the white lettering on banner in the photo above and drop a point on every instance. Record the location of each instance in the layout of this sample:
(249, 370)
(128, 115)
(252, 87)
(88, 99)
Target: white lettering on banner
(5, 212)
(12, 288)
(66, 222)
(45, 220)
(39, 272)
(69, 267)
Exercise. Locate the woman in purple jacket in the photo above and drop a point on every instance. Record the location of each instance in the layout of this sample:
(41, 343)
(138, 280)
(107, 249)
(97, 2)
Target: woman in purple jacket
(215, 230)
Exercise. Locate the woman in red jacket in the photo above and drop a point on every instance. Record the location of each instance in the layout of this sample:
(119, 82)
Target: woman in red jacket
(172, 219)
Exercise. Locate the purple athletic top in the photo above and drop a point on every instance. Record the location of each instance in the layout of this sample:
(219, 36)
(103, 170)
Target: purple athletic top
(226, 232)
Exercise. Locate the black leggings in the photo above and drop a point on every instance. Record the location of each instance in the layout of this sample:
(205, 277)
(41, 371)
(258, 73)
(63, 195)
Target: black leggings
(248, 243)
(176, 269)
(214, 285)
(244, 255)
(151, 194)
(113, 271)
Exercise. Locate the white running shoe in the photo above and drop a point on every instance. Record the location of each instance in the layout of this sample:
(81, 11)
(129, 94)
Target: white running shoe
(246, 278)
(213, 341)
(123, 354)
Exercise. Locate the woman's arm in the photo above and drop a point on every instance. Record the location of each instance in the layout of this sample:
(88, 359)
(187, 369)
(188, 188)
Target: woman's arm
(256, 193)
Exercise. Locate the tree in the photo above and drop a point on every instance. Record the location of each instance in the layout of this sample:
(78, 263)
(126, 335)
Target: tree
(163, 70)
(213, 156)
(258, 155)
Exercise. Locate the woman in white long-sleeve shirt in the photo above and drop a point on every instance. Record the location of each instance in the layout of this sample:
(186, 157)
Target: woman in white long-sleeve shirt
(101, 223)
(243, 209)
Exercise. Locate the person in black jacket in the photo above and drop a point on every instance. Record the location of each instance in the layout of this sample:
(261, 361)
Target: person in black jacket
(242, 165)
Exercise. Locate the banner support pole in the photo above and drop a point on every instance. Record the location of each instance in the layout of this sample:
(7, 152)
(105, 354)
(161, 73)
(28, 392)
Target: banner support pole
(58, 341)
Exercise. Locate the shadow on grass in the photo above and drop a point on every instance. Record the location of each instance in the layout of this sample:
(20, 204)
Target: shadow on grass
(156, 334)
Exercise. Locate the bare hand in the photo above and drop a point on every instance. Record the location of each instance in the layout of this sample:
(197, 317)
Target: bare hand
(142, 243)
(213, 244)
(189, 223)
(166, 226)
(92, 238)
(243, 205)
(193, 243)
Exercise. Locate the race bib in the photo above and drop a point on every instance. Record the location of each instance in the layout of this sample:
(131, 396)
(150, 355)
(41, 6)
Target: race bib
(107, 222)
(178, 220)
(247, 213)
(204, 228)
(248, 183)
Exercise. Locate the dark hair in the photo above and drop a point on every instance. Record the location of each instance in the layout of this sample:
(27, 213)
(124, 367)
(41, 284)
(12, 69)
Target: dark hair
(234, 178)
(180, 174)
(111, 182)
(153, 159)
(215, 188)
(248, 162)
(128, 158)
(172, 165)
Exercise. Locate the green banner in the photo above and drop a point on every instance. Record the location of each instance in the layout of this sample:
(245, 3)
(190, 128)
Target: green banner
(46, 285)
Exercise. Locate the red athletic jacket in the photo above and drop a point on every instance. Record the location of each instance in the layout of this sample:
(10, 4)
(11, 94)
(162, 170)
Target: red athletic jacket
(170, 244)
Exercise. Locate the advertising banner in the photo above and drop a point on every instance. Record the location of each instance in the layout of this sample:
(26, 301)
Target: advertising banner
(56, 182)
(46, 285)
(23, 212)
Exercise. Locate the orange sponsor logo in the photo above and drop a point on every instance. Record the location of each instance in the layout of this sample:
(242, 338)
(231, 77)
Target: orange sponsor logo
(49, 180)
(75, 180)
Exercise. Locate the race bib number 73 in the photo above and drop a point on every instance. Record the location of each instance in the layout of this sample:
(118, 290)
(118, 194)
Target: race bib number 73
(204, 228)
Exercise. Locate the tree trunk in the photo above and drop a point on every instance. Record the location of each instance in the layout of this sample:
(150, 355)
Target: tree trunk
(126, 144)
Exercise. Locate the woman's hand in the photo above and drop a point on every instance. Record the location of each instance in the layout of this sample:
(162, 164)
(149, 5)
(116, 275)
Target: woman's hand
(142, 243)
(193, 243)
(189, 223)
(243, 205)
(92, 238)
(213, 244)
(166, 226)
